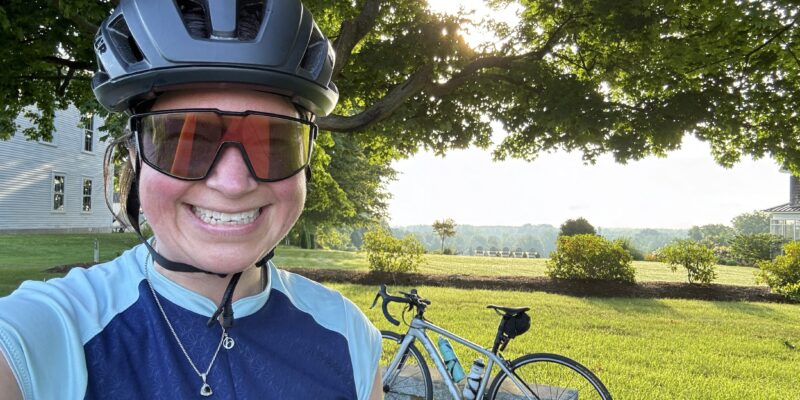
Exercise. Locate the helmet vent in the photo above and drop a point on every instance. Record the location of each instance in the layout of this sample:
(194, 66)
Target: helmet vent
(315, 54)
(251, 14)
(123, 40)
(195, 18)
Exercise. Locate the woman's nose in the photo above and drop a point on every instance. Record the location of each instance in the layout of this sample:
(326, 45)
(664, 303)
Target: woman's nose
(230, 174)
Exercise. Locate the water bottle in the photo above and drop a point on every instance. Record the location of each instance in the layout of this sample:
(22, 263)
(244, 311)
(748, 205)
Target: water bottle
(450, 360)
(473, 380)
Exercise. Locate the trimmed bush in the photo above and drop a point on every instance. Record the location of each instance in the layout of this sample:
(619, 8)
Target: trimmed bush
(783, 274)
(386, 253)
(590, 256)
(699, 261)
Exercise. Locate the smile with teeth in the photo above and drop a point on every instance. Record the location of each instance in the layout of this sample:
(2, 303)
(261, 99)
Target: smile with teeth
(220, 218)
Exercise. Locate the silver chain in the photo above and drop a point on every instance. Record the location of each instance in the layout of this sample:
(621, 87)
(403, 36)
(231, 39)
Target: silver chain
(205, 389)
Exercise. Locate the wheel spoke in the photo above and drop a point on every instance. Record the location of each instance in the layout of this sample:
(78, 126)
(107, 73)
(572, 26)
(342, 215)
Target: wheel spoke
(549, 377)
(411, 380)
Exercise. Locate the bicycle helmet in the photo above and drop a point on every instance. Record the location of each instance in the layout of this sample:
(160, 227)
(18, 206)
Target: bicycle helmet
(148, 46)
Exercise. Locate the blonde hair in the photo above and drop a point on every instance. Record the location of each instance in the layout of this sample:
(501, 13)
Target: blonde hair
(125, 176)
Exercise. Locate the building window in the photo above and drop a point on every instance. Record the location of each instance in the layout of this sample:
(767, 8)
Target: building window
(87, 195)
(788, 229)
(58, 192)
(88, 133)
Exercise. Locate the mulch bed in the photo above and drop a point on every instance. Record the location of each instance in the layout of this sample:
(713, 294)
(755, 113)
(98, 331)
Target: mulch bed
(585, 288)
(644, 290)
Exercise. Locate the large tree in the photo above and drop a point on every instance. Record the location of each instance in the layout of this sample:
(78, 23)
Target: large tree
(445, 228)
(578, 226)
(625, 77)
(751, 223)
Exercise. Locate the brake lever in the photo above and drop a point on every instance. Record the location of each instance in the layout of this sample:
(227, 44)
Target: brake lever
(374, 302)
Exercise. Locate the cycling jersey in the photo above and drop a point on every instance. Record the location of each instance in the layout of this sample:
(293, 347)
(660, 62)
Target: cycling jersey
(98, 333)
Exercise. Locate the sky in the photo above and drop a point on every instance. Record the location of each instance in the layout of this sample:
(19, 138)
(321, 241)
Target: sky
(684, 189)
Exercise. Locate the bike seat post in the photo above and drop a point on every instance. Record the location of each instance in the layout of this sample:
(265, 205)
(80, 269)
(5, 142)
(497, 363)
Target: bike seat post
(498, 338)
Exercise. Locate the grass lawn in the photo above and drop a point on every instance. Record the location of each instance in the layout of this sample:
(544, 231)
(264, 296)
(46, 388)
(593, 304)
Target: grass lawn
(640, 348)
(493, 266)
(26, 256)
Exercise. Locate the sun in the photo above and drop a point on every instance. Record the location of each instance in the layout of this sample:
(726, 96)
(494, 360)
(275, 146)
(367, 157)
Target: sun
(475, 35)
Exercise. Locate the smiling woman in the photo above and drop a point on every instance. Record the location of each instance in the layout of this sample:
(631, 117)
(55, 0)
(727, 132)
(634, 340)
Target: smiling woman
(222, 129)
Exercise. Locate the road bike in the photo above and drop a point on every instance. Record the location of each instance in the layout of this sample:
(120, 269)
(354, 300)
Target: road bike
(538, 376)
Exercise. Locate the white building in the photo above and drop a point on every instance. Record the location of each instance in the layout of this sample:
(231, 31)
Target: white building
(54, 186)
(785, 218)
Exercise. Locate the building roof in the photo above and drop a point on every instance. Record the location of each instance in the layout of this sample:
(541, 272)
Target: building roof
(788, 207)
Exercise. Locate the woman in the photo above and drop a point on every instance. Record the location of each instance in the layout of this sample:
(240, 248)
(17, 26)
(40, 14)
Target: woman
(222, 97)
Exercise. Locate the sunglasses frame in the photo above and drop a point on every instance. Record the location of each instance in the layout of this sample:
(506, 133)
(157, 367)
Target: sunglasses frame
(135, 125)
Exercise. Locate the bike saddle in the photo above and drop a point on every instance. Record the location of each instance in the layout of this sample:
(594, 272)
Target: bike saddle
(509, 310)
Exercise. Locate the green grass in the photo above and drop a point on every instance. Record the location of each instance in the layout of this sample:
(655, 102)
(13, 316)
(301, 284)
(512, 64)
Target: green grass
(24, 257)
(494, 266)
(640, 348)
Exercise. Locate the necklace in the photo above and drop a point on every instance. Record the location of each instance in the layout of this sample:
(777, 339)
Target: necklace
(224, 341)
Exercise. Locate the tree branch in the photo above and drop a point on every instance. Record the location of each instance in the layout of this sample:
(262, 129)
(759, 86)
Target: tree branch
(423, 79)
(747, 56)
(62, 88)
(352, 31)
(50, 78)
(84, 25)
(383, 108)
(469, 71)
(68, 63)
(775, 36)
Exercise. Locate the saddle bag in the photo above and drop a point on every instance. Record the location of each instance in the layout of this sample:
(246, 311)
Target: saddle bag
(517, 325)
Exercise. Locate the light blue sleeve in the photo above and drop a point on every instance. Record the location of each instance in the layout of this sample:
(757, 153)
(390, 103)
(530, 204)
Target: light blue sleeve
(44, 325)
(335, 312)
(364, 341)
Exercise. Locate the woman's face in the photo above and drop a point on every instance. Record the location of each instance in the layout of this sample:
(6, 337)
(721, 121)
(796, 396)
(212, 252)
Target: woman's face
(176, 209)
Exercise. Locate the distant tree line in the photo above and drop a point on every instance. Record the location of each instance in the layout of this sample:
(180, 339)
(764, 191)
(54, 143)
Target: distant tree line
(539, 238)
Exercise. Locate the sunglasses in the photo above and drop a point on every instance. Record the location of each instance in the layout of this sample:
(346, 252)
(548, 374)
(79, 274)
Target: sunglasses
(185, 144)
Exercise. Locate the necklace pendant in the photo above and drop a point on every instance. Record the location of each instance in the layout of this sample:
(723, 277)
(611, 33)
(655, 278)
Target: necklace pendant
(205, 390)
(228, 342)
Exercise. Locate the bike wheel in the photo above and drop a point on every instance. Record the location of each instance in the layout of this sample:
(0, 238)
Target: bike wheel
(412, 379)
(548, 377)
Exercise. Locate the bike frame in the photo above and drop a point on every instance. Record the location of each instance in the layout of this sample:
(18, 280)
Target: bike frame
(417, 332)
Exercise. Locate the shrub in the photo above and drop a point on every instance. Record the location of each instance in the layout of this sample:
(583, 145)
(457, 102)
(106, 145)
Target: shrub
(723, 253)
(589, 256)
(386, 253)
(783, 274)
(635, 253)
(750, 249)
(699, 261)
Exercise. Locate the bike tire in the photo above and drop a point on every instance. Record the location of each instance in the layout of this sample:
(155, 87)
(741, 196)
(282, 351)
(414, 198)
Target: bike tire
(549, 377)
(413, 380)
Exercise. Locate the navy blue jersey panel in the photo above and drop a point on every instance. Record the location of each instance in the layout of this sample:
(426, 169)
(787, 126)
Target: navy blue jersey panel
(280, 353)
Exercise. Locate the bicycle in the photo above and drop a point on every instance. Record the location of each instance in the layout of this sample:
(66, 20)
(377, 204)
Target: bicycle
(539, 376)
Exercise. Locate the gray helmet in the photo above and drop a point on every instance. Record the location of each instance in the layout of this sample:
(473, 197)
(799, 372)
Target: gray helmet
(148, 46)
